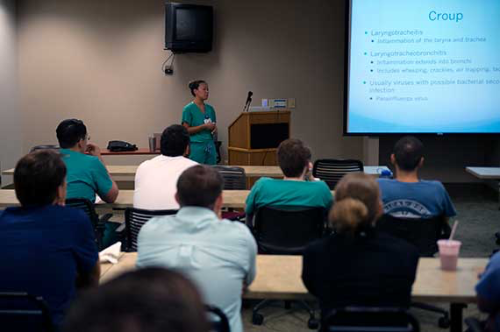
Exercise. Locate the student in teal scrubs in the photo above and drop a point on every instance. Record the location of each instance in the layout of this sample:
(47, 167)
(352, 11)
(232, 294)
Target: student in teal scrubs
(200, 121)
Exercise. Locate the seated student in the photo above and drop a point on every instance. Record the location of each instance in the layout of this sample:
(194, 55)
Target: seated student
(87, 174)
(488, 294)
(407, 196)
(358, 266)
(156, 179)
(296, 189)
(218, 255)
(46, 248)
(147, 300)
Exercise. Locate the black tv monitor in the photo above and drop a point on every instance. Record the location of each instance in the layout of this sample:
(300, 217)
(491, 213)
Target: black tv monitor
(188, 28)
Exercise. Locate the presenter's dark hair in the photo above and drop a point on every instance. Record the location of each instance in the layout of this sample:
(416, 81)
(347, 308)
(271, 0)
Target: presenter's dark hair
(199, 186)
(293, 156)
(69, 132)
(408, 152)
(37, 177)
(174, 141)
(145, 300)
(194, 85)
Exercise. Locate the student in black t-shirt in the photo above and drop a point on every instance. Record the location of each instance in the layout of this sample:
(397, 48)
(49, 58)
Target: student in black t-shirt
(357, 266)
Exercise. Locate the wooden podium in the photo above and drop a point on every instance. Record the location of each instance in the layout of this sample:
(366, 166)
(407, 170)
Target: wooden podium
(254, 137)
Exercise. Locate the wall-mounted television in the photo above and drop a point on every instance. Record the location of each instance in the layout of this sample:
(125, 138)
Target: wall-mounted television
(188, 28)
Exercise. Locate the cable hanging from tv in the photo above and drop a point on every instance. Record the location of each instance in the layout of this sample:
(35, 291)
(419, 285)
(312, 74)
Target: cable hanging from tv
(168, 69)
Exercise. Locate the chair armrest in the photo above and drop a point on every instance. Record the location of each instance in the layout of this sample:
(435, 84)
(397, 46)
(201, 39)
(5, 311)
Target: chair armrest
(121, 229)
(473, 324)
(105, 218)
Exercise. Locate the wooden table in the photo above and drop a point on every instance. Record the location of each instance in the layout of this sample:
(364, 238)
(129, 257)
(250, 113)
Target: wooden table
(279, 277)
(231, 199)
(485, 173)
(129, 170)
(138, 152)
(251, 171)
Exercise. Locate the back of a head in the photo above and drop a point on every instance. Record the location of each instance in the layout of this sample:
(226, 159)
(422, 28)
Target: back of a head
(69, 132)
(174, 141)
(38, 176)
(147, 300)
(293, 157)
(357, 203)
(408, 152)
(199, 186)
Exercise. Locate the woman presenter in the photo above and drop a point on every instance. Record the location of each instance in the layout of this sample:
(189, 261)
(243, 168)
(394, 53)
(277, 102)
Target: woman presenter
(199, 119)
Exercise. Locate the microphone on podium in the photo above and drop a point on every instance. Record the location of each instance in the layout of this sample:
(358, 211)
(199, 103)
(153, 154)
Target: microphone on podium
(248, 102)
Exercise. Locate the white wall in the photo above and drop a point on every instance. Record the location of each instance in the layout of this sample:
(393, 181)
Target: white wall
(101, 61)
(10, 125)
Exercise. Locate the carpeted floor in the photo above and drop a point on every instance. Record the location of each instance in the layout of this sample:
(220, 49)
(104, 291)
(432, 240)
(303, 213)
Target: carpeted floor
(479, 217)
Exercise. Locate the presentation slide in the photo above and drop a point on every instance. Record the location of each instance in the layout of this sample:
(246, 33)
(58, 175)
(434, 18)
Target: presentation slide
(424, 66)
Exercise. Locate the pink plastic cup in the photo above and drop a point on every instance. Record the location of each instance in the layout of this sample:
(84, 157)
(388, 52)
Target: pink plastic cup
(448, 253)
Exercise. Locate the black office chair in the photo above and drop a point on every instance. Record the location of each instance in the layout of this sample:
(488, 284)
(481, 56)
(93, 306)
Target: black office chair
(280, 231)
(134, 220)
(497, 238)
(332, 170)
(370, 319)
(218, 145)
(288, 231)
(217, 319)
(98, 223)
(234, 177)
(423, 234)
(474, 325)
(20, 311)
(45, 147)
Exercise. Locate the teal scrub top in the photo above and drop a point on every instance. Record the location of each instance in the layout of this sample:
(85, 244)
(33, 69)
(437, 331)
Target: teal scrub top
(193, 116)
(284, 193)
(86, 175)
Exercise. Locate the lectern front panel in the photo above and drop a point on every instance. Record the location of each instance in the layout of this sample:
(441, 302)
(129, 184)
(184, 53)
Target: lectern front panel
(268, 136)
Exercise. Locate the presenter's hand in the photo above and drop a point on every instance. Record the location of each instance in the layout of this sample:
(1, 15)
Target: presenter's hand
(214, 131)
(93, 150)
(210, 126)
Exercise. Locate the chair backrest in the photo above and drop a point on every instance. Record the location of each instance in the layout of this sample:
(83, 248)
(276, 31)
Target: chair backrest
(288, 231)
(217, 319)
(332, 170)
(23, 312)
(88, 207)
(44, 147)
(423, 233)
(370, 319)
(135, 219)
(234, 177)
